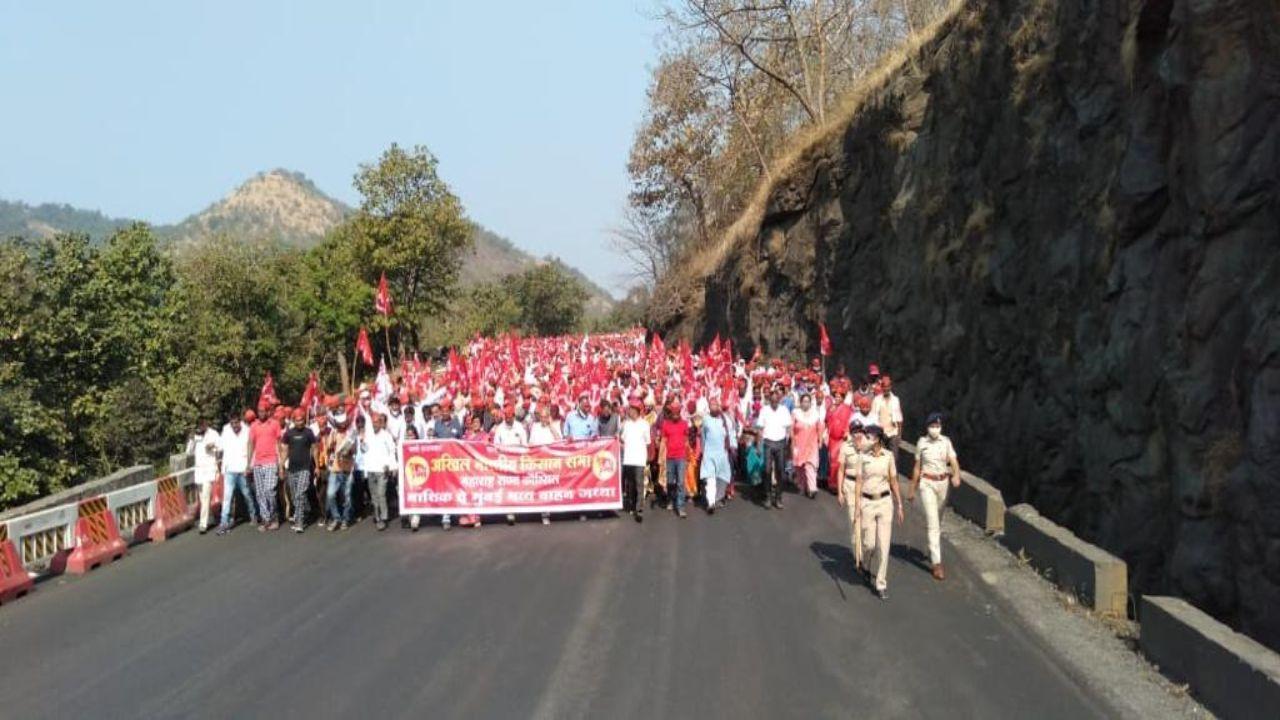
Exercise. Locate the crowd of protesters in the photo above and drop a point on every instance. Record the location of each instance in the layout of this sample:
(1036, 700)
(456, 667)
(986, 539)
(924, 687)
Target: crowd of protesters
(695, 429)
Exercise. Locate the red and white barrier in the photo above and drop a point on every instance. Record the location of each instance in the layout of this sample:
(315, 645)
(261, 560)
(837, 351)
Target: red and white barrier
(14, 581)
(173, 514)
(98, 538)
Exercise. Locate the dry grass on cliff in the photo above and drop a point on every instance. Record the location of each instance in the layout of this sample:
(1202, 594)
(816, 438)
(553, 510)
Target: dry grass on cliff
(705, 261)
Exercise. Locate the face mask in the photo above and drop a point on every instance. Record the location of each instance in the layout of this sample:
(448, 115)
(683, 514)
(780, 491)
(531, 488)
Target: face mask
(935, 432)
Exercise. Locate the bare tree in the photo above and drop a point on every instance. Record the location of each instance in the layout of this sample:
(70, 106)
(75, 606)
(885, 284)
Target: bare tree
(737, 79)
(650, 242)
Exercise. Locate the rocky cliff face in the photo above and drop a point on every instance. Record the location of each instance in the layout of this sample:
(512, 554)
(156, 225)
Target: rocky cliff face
(1060, 224)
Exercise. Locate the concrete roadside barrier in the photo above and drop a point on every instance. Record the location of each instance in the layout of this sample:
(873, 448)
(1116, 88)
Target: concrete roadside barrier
(98, 538)
(14, 580)
(133, 507)
(1233, 675)
(1098, 578)
(123, 478)
(172, 514)
(979, 502)
(181, 461)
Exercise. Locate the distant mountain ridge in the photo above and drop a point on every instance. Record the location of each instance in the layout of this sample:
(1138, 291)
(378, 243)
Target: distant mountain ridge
(19, 218)
(280, 205)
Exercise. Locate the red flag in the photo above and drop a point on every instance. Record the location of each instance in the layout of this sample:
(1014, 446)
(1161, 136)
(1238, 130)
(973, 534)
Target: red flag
(309, 394)
(363, 348)
(658, 346)
(382, 303)
(824, 341)
(267, 397)
(515, 354)
(687, 356)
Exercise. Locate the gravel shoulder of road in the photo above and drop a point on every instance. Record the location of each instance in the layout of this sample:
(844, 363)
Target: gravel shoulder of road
(1100, 654)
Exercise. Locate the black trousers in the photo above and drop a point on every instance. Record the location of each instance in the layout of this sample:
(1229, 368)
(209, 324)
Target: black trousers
(775, 468)
(633, 487)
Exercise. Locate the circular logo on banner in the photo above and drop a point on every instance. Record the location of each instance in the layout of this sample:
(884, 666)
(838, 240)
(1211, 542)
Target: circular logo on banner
(605, 465)
(416, 472)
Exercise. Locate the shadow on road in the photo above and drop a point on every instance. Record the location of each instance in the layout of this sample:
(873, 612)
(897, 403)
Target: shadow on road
(837, 562)
(911, 555)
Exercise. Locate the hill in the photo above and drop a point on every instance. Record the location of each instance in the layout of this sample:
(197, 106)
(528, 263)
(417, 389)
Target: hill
(273, 205)
(21, 219)
(288, 207)
(279, 205)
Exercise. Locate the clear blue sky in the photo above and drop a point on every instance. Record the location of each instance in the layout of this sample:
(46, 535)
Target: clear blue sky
(153, 110)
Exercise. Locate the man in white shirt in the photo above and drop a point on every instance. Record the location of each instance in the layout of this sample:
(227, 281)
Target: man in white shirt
(510, 433)
(636, 436)
(235, 466)
(886, 411)
(380, 460)
(774, 422)
(204, 445)
(395, 420)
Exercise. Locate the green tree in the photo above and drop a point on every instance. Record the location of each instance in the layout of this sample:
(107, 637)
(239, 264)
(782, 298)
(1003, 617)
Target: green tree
(411, 226)
(550, 298)
(237, 324)
(88, 337)
(493, 309)
(32, 435)
(333, 302)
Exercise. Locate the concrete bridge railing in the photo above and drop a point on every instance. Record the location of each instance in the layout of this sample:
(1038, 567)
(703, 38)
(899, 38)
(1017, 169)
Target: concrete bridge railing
(43, 531)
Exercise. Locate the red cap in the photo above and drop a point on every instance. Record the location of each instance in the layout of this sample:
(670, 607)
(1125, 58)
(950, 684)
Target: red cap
(299, 414)
(250, 416)
(873, 370)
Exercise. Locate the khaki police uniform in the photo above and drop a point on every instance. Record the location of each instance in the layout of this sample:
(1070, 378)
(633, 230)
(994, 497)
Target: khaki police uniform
(877, 514)
(934, 459)
(847, 464)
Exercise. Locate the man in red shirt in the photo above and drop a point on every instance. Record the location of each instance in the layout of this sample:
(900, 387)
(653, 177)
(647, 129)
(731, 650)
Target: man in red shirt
(673, 437)
(264, 458)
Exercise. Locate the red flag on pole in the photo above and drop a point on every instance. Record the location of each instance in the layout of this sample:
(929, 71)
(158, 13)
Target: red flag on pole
(824, 341)
(382, 303)
(267, 397)
(363, 348)
(309, 394)
(686, 355)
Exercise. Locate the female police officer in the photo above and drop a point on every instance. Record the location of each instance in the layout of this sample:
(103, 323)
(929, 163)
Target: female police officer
(937, 466)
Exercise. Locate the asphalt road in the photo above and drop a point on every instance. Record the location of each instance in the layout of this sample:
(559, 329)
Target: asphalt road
(749, 613)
